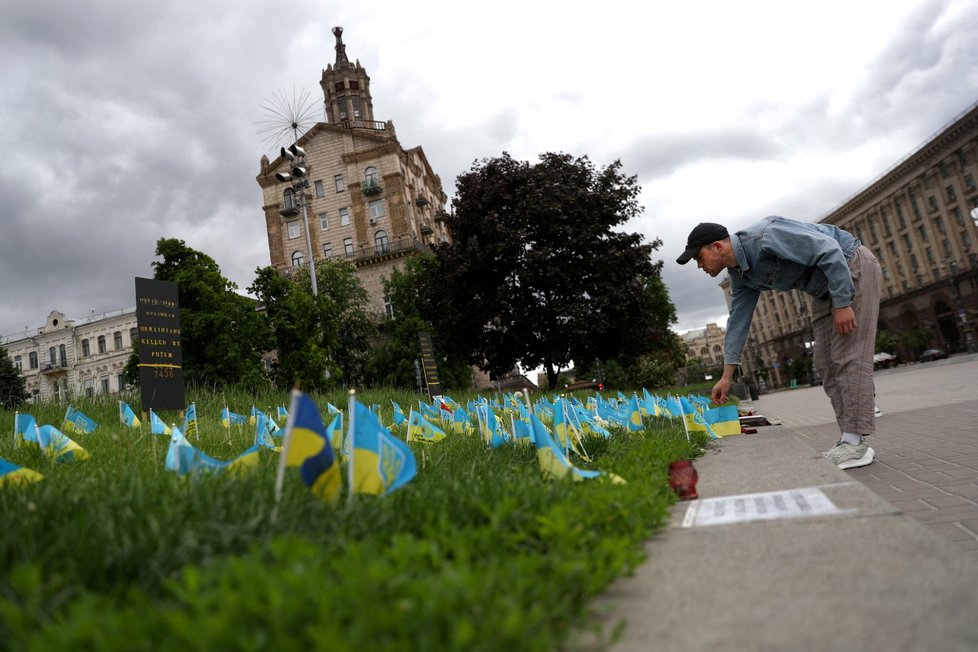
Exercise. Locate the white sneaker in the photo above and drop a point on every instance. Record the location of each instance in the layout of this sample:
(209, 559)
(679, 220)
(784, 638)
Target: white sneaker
(847, 456)
(877, 411)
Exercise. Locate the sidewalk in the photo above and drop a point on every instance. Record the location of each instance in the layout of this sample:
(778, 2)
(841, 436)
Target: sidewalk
(870, 577)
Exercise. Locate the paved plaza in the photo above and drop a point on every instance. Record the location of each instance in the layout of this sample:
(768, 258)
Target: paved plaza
(891, 566)
(926, 442)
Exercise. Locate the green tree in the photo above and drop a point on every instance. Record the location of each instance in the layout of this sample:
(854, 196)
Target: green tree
(321, 341)
(222, 334)
(539, 272)
(398, 345)
(13, 390)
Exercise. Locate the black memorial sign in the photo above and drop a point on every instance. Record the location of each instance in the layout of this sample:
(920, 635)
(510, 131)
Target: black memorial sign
(428, 365)
(160, 354)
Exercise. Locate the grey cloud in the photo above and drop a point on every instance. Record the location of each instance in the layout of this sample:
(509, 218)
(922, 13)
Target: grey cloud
(662, 155)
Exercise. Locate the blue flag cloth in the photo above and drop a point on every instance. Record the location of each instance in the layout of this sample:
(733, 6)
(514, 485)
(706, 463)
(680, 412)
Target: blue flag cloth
(190, 421)
(399, 417)
(308, 446)
(156, 424)
(13, 475)
(229, 418)
(183, 458)
(127, 416)
(381, 462)
(78, 421)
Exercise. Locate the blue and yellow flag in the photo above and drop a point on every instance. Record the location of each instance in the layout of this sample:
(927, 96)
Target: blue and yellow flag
(25, 428)
(55, 444)
(381, 462)
(183, 458)
(554, 463)
(78, 421)
(156, 424)
(283, 413)
(127, 416)
(420, 429)
(634, 415)
(399, 417)
(12, 475)
(694, 418)
(190, 421)
(263, 438)
(307, 446)
(724, 421)
(229, 418)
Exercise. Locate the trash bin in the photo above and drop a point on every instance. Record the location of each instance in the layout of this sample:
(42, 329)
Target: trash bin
(794, 383)
(752, 388)
(739, 390)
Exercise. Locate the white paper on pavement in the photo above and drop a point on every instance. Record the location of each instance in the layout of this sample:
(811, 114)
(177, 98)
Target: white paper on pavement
(792, 503)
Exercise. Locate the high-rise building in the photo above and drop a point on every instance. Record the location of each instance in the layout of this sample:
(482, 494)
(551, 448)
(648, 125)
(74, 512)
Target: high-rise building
(370, 200)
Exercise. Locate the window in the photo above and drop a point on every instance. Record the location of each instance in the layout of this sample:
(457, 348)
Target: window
(388, 307)
(52, 356)
(120, 381)
(923, 234)
(356, 105)
(327, 250)
(940, 225)
(376, 210)
(62, 355)
(288, 199)
(886, 222)
(297, 258)
(951, 195)
(338, 181)
(969, 181)
(324, 221)
(348, 246)
(319, 189)
(86, 349)
(117, 340)
(947, 248)
(872, 232)
(18, 362)
(965, 240)
(344, 217)
(932, 202)
(900, 217)
(133, 335)
(370, 176)
(958, 216)
(916, 209)
(32, 359)
(105, 385)
(101, 343)
(89, 386)
(381, 243)
(293, 229)
(341, 101)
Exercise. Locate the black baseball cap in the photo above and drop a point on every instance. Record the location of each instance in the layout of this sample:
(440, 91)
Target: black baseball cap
(703, 234)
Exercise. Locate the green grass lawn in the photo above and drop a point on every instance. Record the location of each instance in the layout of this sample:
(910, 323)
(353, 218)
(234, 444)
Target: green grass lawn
(478, 552)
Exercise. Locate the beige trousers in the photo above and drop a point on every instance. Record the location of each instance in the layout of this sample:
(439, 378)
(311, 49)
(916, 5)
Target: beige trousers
(845, 362)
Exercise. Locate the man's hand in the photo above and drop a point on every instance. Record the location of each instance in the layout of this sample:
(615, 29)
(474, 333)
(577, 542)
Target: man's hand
(844, 319)
(720, 391)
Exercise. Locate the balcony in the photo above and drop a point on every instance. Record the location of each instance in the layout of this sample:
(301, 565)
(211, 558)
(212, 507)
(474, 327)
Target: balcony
(371, 188)
(425, 228)
(421, 202)
(373, 125)
(53, 369)
(288, 210)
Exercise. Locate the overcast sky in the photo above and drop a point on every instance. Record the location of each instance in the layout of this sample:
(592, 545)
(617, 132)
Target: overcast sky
(123, 122)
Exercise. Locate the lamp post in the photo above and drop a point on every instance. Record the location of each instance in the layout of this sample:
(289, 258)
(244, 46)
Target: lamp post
(299, 179)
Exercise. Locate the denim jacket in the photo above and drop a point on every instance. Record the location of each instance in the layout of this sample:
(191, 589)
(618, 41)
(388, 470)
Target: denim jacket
(781, 254)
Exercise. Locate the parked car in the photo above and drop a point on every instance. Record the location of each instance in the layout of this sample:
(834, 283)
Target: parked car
(883, 359)
(932, 354)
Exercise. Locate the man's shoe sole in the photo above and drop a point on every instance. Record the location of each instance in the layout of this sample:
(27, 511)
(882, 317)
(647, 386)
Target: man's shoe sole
(865, 460)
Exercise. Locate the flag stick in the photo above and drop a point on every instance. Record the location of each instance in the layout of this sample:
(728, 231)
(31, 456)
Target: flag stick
(682, 415)
(349, 436)
(280, 474)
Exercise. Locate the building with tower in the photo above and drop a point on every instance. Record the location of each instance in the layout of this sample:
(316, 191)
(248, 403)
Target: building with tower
(369, 200)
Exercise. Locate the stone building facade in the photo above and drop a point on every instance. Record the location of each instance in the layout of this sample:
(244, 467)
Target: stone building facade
(705, 344)
(68, 357)
(370, 200)
(920, 218)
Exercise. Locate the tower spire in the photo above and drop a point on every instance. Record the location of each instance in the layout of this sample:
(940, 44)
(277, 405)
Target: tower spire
(340, 47)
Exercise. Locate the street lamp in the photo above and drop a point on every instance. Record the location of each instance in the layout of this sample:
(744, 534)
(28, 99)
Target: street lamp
(299, 179)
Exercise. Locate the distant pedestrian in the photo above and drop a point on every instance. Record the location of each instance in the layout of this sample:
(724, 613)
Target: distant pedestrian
(844, 280)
